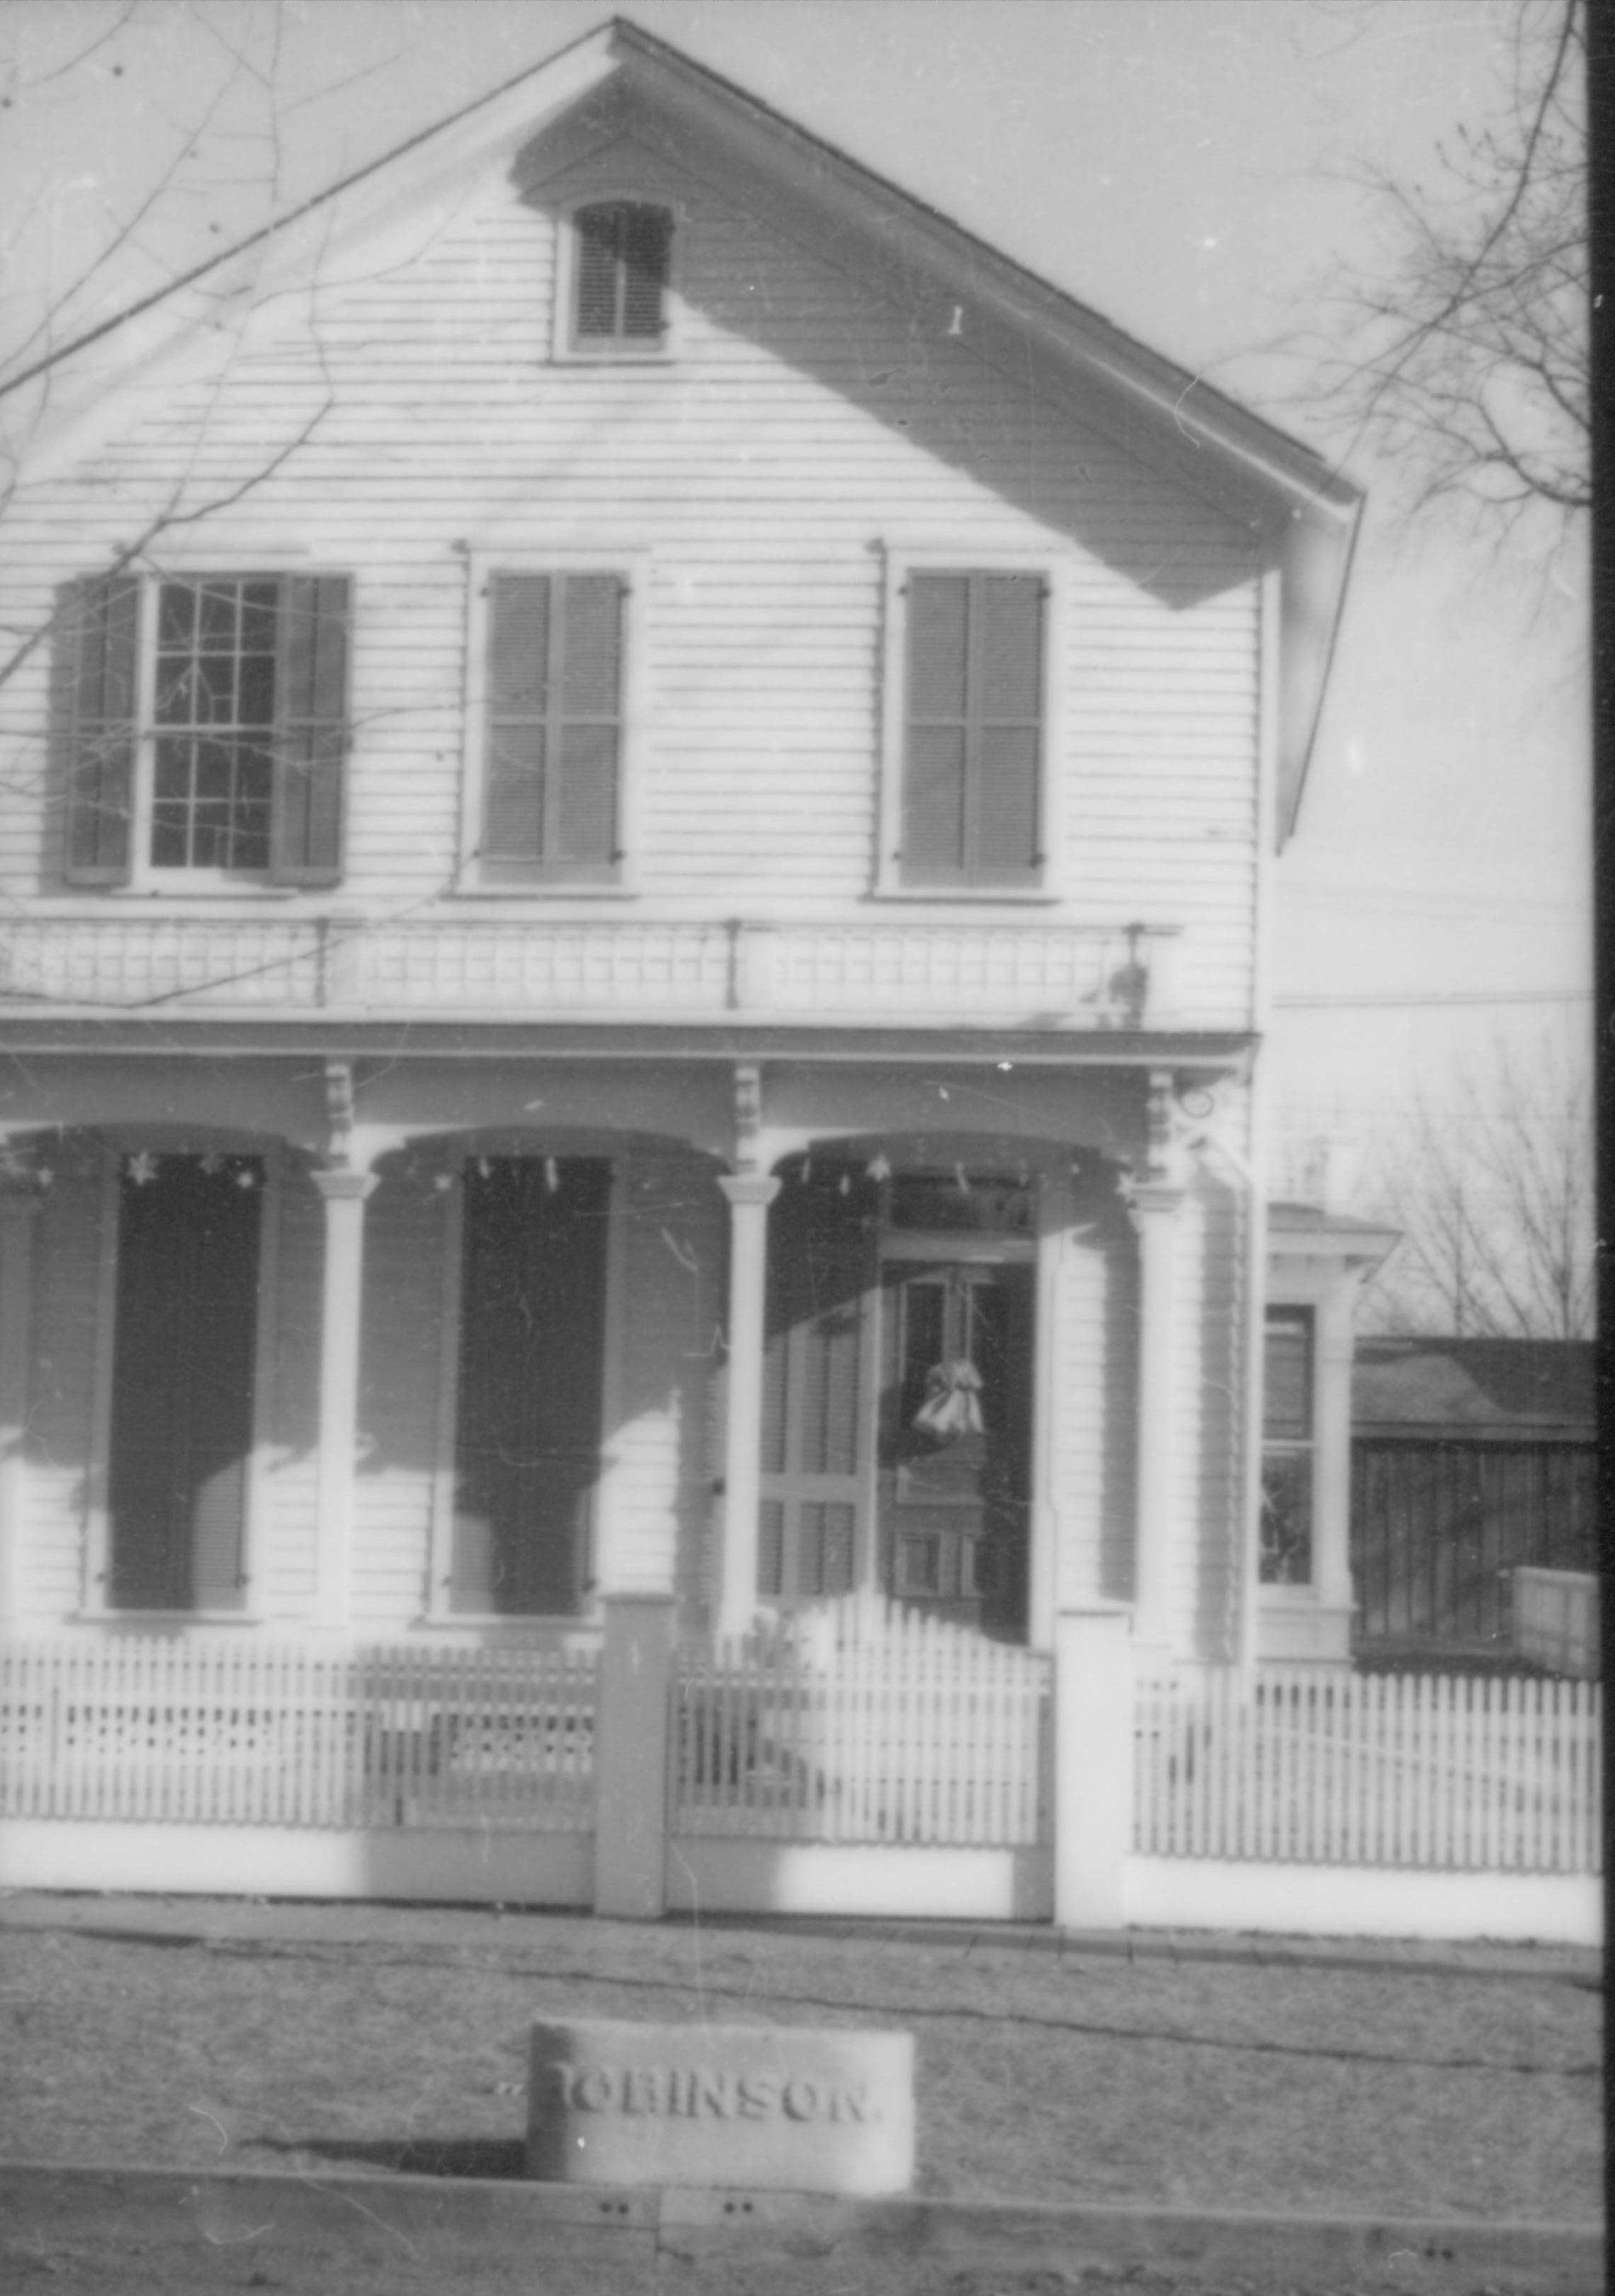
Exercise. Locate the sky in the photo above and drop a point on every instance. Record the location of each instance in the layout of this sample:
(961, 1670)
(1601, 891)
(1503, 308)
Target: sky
(1194, 169)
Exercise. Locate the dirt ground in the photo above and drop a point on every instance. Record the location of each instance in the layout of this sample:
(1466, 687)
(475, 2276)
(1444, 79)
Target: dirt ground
(1042, 2077)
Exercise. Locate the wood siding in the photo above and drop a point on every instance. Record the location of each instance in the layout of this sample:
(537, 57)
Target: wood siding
(800, 429)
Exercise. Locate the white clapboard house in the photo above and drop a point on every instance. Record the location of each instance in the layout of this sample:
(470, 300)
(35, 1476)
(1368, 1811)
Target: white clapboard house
(640, 809)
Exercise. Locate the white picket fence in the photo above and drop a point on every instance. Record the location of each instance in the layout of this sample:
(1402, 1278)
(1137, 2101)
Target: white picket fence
(864, 1723)
(223, 1731)
(1312, 1765)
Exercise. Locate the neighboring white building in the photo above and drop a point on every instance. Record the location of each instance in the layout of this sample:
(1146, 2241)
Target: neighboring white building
(638, 875)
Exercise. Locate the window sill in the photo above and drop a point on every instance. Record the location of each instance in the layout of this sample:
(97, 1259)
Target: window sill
(136, 1620)
(546, 889)
(586, 1624)
(1011, 896)
(612, 355)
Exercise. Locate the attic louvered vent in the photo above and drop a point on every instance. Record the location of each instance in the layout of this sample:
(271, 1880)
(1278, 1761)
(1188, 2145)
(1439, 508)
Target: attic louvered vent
(620, 276)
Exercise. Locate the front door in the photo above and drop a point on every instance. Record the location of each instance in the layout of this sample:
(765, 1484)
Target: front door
(955, 1438)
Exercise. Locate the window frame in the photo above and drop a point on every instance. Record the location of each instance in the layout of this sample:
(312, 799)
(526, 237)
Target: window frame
(1046, 881)
(145, 877)
(631, 568)
(566, 349)
(97, 1557)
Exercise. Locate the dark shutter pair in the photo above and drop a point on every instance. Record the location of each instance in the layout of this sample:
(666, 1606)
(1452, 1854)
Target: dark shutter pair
(554, 727)
(623, 249)
(974, 733)
(99, 638)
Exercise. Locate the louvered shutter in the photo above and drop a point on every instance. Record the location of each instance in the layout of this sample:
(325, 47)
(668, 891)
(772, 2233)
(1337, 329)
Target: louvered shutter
(97, 653)
(555, 731)
(934, 771)
(311, 731)
(588, 734)
(973, 741)
(1009, 732)
(647, 238)
(598, 233)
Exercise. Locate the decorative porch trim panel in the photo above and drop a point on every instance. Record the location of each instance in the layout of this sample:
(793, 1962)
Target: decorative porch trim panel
(1065, 975)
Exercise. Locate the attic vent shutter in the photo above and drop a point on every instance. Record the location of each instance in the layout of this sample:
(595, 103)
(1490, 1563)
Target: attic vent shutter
(554, 733)
(623, 249)
(973, 755)
(98, 634)
(311, 737)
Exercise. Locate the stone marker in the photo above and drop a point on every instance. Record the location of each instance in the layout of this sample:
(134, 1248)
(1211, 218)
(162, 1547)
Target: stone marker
(789, 2109)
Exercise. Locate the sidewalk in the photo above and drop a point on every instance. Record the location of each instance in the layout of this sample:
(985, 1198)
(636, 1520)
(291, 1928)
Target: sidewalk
(289, 1920)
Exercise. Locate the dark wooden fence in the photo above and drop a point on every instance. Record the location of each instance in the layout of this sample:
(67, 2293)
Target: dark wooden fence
(1436, 1524)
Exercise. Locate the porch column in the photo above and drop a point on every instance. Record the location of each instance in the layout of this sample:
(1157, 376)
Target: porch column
(750, 1195)
(345, 1192)
(1155, 1213)
(18, 1207)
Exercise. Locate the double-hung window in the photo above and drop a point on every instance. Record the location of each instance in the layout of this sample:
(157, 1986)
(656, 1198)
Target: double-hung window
(207, 733)
(551, 650)
(972, 733)
(1288, 1447)
(615, 302)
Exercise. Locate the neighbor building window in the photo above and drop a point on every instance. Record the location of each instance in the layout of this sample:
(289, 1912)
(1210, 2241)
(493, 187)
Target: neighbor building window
(208, 729)
(553, 728)
(974, 730)
(622, 249)
(1287, 1448)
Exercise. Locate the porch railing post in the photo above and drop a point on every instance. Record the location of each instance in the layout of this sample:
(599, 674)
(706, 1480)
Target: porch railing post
(631, 1725)
(1093, 1698)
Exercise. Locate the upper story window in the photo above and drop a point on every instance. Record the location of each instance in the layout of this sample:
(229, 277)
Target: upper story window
(968, 732)
(621, 256)
(551, 793)
(1287, 1448)
(209, 730)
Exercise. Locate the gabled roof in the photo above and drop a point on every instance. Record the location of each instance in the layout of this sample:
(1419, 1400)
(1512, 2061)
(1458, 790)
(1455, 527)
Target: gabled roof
(1538, 1389)
(621, 79)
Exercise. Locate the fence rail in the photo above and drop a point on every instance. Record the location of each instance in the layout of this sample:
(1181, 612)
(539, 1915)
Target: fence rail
(230, 1733)
(902, 1729)
(1307, 1764)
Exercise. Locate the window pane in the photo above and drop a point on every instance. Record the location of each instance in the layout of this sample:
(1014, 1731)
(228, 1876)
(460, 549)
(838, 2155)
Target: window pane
(1287, 1374)
(176, 614)
(1286, 1546)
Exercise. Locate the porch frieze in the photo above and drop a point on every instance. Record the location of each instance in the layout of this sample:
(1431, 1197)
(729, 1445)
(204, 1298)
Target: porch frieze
(107, 958)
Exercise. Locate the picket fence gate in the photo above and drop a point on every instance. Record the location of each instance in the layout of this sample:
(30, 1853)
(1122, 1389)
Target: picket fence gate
(1484, 1773)
(224, 1732)
(864, 1723)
